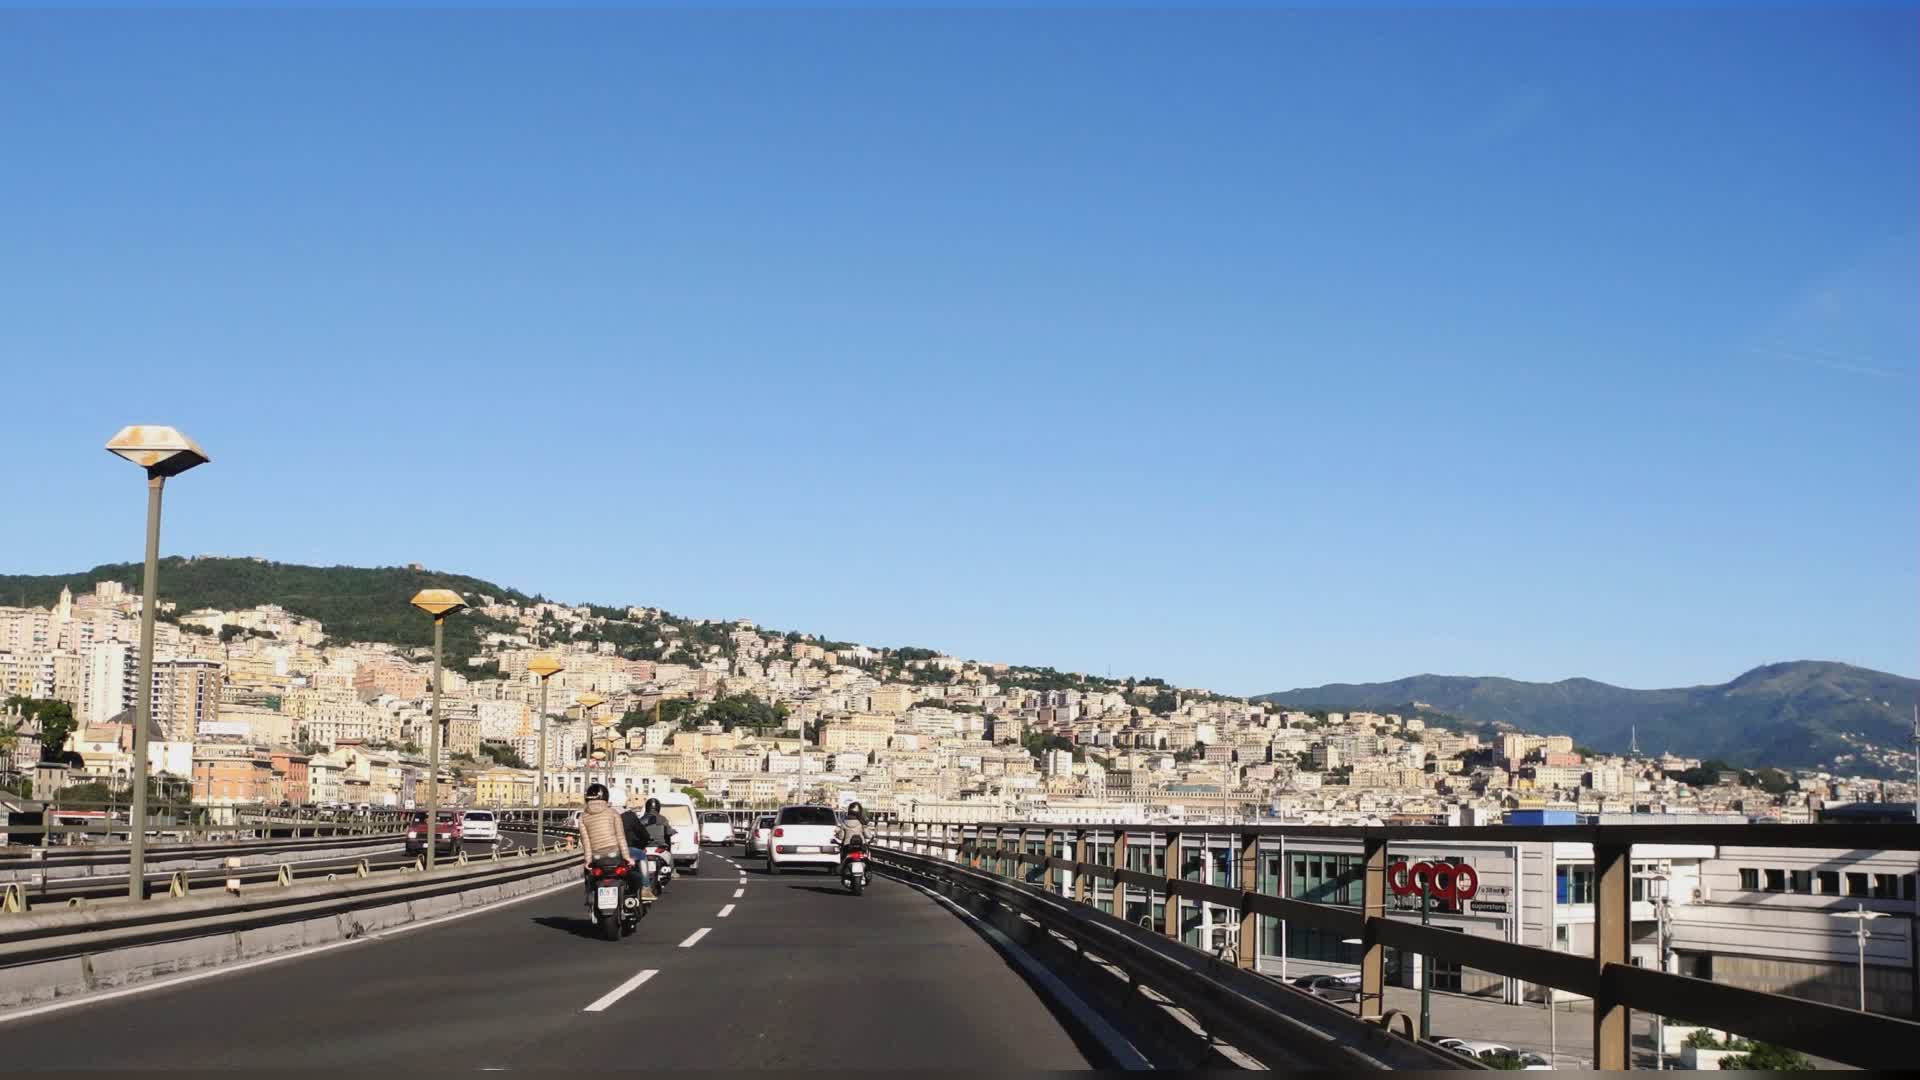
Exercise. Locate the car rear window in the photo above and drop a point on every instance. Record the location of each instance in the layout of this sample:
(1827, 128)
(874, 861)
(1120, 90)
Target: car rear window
(719, 818)
(680, 817)
(479, 815)
(808, 815)
(765, 820)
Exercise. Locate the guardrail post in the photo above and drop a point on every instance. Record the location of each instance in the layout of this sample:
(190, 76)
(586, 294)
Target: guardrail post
(1373, 906)
(1248, 951)
(13, 898)
(1119, 887)
(1047, 876)
(1079, 861)
(285, 876)
(1612, 922)
(1170, 867)
(180, 884)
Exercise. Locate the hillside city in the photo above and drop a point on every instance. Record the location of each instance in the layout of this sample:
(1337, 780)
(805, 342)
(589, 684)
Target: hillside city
(260, 706)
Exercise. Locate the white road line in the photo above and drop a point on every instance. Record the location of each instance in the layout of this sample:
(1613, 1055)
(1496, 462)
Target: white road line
(694, 938)
(621, 991)
(726, 911)
(227, 969)
(738, 893)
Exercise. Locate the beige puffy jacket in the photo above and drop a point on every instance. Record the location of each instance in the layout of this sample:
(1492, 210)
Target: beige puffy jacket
(600, 831)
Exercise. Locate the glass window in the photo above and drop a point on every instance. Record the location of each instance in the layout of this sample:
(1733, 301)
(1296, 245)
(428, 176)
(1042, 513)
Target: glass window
(1573, 884)
(1829, 882)
(1800, 881)
(1886, 886)
(1749, 878)
(1776, 881)
(1857, 885)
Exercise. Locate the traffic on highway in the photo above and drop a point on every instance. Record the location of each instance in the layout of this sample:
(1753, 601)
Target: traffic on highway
(527, 982)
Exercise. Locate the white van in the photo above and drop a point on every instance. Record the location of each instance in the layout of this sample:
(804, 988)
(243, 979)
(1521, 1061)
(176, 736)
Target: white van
(677, 808)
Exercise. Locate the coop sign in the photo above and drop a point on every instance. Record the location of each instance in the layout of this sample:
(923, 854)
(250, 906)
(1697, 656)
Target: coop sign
(1449, 884)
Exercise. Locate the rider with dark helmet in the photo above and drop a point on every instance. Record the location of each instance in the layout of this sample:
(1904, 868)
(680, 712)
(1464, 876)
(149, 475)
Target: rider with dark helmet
(646, 830)
(852, 832)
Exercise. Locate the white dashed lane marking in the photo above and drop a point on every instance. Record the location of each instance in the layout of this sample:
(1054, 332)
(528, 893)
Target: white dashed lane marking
(621, 991)
(694, 938)
(738, 893)
(726, 911)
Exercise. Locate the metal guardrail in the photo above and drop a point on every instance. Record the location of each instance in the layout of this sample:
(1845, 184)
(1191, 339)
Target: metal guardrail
(83, 928)
(1852, 1037)
(18, 859)
(185, 881)
(1279, 1026)
(80, 823)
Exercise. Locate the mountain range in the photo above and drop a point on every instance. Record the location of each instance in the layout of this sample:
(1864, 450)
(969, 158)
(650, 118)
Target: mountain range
(1799, 714)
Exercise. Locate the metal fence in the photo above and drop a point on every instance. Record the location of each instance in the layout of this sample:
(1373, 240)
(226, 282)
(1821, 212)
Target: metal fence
(67, 823)
(1083, 861)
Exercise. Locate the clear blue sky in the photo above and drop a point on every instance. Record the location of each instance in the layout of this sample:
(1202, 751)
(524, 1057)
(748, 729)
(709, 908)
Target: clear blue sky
(1247, 349)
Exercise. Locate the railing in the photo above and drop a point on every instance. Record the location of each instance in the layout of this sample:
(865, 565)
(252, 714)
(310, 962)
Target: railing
(92, 822)
(1026, 855)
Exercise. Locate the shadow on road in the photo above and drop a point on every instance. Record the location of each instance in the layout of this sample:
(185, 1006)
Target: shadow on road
(575, 926)
(840, 890)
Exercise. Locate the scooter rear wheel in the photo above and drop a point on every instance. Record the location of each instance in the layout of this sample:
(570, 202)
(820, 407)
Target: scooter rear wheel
(610, 926)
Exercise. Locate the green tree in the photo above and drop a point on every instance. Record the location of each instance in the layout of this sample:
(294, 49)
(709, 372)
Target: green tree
(230, 632)
(502, 754)
(54, 717)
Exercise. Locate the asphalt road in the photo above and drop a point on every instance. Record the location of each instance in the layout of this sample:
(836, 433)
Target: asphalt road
(765, 972)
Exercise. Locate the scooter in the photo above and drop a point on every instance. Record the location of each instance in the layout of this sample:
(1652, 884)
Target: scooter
(613, 897)
(660, 868)
(853, 868)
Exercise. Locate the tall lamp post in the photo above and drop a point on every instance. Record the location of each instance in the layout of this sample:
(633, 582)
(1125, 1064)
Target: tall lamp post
(1860, 936)
(163, 452)
(588, 702)
(438, 603)
(546, 667)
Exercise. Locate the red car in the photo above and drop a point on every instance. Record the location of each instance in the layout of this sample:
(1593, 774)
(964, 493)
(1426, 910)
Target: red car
(446, 832)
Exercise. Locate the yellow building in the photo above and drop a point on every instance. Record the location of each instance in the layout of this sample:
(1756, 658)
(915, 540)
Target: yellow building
(504, 787)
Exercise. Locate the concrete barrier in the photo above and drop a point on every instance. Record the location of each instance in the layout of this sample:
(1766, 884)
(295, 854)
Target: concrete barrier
(72, 953)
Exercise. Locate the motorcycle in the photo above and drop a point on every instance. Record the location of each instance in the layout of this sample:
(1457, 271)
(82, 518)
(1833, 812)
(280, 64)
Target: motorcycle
(660, 868)
(853, 868)
(613, 896)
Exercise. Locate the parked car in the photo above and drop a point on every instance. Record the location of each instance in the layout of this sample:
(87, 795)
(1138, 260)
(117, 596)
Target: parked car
(480, 825)
(1491, 1052)
(759, 836)
(447, 830)
(1341, 988)
(803, 836)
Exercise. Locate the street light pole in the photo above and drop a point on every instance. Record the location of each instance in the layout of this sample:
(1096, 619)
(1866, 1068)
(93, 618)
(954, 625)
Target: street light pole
(1426, 960)
(1860, 936)
(546, 667)
(438, 603)
(163, 452)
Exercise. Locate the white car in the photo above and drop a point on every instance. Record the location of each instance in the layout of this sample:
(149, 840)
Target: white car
(716, 827)
(480, 825)
(678, 810)
(1481, 1048)
(761, 835)
(803, 836)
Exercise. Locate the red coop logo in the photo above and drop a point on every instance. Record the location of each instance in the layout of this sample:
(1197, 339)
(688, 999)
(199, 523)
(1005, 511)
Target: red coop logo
(1447, 883)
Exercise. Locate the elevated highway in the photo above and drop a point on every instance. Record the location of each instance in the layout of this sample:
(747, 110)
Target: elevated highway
(732, 969)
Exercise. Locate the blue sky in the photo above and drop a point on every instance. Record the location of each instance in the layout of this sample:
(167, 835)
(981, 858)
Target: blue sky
(1247, 349)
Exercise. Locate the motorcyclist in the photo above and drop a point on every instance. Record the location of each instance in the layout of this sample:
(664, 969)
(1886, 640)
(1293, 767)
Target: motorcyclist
(851, 832)
(653, 829)
(636, 837)
(600, 834)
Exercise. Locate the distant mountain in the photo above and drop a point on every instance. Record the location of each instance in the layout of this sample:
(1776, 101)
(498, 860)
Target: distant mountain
(354, 603)
(1802, 714)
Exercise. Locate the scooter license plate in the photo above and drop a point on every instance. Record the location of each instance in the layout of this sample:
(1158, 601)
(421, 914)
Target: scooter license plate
(858, 868)
(608, 897)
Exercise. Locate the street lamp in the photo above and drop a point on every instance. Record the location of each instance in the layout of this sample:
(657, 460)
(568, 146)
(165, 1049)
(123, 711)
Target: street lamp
(546, 667)
(1860, 936)
(438, 603)
(1657, 891)
(163, 452)
(588, 702)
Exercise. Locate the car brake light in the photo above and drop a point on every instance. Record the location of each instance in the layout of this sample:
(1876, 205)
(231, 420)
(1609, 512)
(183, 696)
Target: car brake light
(779, 832)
